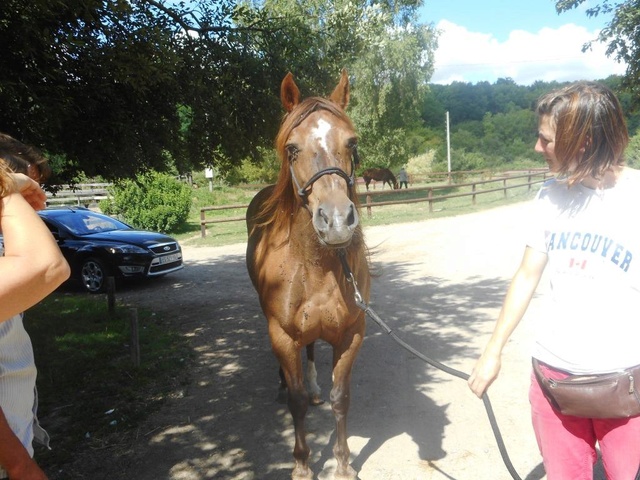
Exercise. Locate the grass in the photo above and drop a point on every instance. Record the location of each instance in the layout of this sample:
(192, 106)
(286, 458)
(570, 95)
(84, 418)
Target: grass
(225, 233)
(218, 234)
(91, 393)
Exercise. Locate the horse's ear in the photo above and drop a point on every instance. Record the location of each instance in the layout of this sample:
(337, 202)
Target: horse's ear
(289, 93)
(340, 94)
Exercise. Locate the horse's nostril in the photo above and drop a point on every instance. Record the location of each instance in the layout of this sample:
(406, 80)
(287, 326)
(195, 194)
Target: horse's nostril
(351, 217)
(322, 220)
(323, 215)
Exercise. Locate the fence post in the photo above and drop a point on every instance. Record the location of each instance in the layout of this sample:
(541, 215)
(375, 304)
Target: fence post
(203, 226)
(430, 197)
(111, 296)
(504, 184)
(369, 202)
(529, 181)
(473, 197)
(135, 337)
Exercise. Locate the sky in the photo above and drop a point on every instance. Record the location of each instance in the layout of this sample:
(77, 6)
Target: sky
(526, 40)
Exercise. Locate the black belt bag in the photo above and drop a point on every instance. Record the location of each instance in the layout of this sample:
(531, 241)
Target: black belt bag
(609, 395)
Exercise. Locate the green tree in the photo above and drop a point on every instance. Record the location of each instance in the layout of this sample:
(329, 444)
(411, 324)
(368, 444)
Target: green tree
(391, 83)
(462, 101)
(388, 55)
(621, 33)
(495, 122)
(117, 87)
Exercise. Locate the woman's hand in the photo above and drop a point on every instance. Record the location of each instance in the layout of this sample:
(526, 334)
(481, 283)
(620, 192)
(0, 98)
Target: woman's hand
(484, 373)
(30, 191)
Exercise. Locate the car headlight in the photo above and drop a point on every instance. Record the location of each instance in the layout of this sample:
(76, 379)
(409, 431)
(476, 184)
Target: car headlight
(126, 249)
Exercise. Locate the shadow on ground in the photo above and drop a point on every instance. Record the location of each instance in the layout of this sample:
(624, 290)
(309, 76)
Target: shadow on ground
(227, 425)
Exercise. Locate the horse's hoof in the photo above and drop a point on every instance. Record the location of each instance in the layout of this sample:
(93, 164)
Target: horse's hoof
(347, 474)
(315, 400)
(300, 473)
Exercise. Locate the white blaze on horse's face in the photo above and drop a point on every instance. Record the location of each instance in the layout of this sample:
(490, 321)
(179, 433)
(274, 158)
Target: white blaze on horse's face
(324, 139)
(320, 133)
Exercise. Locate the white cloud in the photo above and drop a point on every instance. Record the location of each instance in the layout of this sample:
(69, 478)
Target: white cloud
(549, 54)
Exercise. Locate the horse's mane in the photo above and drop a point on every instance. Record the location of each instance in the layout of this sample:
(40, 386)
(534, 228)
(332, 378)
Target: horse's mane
(279, 208)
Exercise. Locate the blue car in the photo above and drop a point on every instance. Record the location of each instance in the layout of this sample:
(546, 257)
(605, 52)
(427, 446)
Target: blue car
(98, 246)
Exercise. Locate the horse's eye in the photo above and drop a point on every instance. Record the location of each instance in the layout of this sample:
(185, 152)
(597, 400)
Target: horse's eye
(353, 145)
(292, 152)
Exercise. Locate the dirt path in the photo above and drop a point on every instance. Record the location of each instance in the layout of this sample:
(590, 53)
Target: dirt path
(442, 282)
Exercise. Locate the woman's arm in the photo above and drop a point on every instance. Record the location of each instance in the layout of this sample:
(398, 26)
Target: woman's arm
(14, 458)
(32, 266)
(521, 290)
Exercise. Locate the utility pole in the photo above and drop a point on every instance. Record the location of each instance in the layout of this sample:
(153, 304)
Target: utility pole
(448, 150)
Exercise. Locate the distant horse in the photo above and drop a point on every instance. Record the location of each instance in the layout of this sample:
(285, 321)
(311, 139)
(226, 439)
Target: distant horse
(380, 174)
(298, 229)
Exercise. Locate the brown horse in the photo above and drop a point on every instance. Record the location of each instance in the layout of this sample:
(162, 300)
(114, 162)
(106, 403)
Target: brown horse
(298, 230)
(380, 174)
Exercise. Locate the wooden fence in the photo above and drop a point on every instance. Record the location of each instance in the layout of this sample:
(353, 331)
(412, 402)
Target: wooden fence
(81, 194)
(532, 178)
(529, 179)
(204, 221)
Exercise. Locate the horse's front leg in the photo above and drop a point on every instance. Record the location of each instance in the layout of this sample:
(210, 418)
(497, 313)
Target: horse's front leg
(298, 399)
(298, 402)
(344, 356)
(312, 380)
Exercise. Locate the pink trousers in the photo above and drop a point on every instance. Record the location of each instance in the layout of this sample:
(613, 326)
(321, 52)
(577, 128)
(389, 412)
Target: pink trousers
(568, 444)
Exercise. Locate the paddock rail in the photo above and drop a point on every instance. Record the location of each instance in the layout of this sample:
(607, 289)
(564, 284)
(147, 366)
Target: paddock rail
(533, 177)
(81, 194)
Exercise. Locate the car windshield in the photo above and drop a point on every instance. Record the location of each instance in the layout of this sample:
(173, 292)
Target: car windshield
(86, 223)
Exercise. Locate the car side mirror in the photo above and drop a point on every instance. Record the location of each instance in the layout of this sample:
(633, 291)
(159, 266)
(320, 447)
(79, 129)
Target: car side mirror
(59, 236)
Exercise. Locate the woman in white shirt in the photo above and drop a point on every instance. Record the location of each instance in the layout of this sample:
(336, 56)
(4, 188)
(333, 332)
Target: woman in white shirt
(586, 238)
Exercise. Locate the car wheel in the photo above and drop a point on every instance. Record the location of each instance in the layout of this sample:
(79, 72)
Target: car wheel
(93, 275)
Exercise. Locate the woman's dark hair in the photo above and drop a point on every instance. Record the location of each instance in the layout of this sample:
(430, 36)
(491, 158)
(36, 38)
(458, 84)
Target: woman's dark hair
(21, 158)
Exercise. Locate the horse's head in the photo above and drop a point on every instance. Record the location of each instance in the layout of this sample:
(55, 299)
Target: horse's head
(318, 146)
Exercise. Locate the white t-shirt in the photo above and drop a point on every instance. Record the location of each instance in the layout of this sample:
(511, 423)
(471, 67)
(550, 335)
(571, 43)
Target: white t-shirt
(591, 323)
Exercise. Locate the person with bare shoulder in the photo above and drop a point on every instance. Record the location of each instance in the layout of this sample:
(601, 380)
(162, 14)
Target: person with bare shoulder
(31, 268)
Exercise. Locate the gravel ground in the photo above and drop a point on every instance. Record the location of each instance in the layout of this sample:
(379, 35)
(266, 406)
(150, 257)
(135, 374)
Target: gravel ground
(440, 286)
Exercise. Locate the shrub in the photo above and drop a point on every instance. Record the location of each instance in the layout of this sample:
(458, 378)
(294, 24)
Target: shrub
(250, 171)
(154, 201)
(421, 165)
